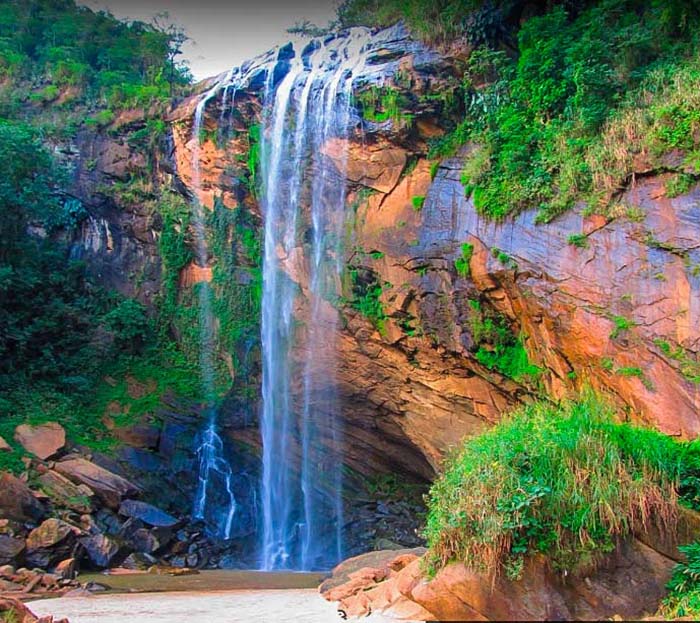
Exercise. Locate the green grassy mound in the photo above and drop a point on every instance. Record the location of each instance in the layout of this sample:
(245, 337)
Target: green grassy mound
(566, 481)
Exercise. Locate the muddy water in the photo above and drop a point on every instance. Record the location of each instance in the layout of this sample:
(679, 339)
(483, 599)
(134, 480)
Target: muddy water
(209, 597)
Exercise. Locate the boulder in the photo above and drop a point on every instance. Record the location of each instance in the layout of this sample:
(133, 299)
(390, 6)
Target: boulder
(147, 513)
(64, 494)
(43, 441)
(102, 550)
(4, 446)
(17, 500)
(109, 487)
(50, 543)
(629, 583)
(14, 610)
(10, 549)
(66, 569)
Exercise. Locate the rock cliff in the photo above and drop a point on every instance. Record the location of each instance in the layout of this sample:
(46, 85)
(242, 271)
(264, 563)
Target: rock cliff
(608, 301)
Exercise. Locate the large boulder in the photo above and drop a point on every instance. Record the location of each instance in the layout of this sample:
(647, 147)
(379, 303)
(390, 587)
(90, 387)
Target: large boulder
(64, 493)
(109, 487)
(630, 583)
(102, 550)
(10, 549)
(50, 543)
(17, 500)
(147, 513)
(43, 441)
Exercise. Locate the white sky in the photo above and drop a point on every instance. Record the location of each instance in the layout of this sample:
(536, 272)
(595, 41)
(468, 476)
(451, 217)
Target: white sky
(224, 33)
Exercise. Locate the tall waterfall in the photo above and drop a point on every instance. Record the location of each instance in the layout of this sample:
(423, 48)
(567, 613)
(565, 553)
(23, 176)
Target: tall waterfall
(303, 510)
(307, 112)
(214, 503)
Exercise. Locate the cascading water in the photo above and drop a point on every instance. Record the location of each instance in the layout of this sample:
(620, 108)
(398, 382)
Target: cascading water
(306, 116)
(215, 502)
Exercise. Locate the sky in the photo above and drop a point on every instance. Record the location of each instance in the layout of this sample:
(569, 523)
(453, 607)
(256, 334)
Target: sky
(224, 33)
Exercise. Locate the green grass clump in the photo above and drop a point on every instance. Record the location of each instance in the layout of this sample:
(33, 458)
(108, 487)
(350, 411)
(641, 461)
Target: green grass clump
(578, 240)
(683, 599)
(418, 202)
(563, 480)
(463, 263)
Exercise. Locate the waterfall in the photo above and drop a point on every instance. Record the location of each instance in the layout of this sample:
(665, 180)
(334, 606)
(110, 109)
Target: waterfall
(214, 502)
(306, 92)
(302, 458)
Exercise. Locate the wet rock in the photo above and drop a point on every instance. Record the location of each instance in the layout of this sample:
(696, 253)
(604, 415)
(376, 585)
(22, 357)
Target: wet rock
(109, 487)
(50, 543)
(147, 513)
(43, 441)
(64, 493)
(102, 551)
(17, 500)
(286, 52)
(10, 549)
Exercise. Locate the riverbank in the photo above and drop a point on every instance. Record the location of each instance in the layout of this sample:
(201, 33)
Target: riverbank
(232, 606)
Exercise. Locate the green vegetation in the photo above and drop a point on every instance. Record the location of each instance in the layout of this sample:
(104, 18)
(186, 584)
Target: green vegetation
(689, 363)
(55, 47)
(366, 291)
(496, 347)
(418, 202)
(68, 348)
(622, 325)
(562, 105)
(683, 599)
(563, 480)
(462, 264)
(679, 185)
(380, 104)
(578, 240)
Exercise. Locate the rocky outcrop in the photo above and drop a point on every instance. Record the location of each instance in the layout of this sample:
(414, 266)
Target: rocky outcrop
(629, 584)
(17, 501)
(43, 441)
(110, 488)
(14, 610)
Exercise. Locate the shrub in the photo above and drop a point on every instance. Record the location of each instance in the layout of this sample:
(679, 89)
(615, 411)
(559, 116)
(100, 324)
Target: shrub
(683, 599)
(462, 264)
(562, 480)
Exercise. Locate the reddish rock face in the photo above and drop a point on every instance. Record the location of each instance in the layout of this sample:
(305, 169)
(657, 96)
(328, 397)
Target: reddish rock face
(621, 313)
(629, 584)
(43, 441)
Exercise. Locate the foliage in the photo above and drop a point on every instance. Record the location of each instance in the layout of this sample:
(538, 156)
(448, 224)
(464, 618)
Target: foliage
(679, 185)
(418, 202)
(683, 599)
(689, 363)
(366, 296)
(562, 116)
(622, 325)
(382, 103)
(563, 480)
(462, 263)
(578, 240)
(58, 44)
(496, 347)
